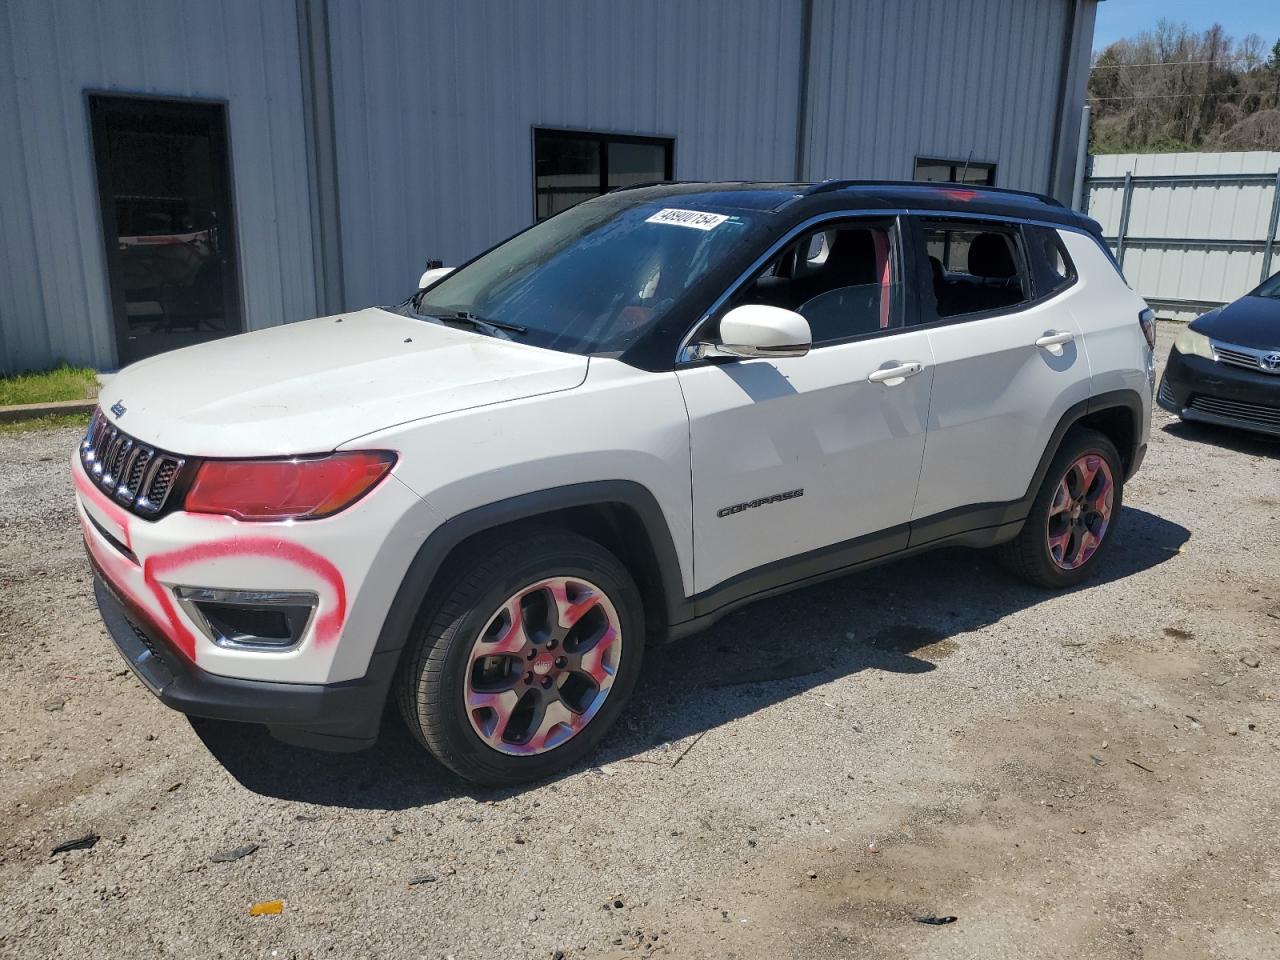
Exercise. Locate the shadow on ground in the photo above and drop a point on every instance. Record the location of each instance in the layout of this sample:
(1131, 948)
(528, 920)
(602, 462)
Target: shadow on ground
(1237, 441)
(897, 617)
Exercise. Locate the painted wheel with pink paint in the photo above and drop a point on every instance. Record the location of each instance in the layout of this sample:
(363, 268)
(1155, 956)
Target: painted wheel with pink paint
(527, 656)
(1074, 514)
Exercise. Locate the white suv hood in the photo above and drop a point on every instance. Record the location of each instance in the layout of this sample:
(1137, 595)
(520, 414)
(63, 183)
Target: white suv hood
(310, 387)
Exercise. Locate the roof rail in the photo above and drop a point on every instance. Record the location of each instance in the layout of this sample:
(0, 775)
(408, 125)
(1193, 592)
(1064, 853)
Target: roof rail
(830, 186)
(655, 183)
(639, 186)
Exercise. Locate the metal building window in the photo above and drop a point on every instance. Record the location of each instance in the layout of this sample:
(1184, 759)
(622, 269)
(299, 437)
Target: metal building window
(570, 166)
(956, 171)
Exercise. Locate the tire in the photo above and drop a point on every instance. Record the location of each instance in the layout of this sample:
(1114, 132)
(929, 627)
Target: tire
(560, 617)
(1039, 554)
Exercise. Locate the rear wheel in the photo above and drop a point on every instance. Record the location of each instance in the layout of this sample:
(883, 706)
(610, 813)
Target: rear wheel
(527, 659)
(1073, 516)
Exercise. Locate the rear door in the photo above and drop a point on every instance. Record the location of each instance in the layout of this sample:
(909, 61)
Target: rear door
(1008, 363)
(803, 455)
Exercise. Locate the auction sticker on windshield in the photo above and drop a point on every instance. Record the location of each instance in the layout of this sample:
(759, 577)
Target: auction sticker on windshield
(688, 218)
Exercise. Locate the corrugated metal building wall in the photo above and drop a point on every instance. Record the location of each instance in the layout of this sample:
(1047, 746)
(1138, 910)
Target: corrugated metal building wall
(429, 130)
(435, 107)
(54, 301)
(981, 77)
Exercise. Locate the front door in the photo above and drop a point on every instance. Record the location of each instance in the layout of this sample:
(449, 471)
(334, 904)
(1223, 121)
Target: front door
(165, 193)
(800, 456)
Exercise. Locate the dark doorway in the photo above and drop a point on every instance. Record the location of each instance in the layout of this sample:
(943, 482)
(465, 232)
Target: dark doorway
(165, 189)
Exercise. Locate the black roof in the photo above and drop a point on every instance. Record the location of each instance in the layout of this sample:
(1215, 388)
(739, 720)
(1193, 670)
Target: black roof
(807, 198)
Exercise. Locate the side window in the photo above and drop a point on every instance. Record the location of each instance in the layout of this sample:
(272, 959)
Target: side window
(1054, 269)
(976, 267)
(843, 278)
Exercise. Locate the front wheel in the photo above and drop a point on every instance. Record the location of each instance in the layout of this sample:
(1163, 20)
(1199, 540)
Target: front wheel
(527, 660)
(1073, 516)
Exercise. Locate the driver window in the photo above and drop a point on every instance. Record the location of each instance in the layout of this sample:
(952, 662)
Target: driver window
(842, 278)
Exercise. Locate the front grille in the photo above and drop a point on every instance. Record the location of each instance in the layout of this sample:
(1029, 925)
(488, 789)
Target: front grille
(1237, 410)
(1245, 357)
(1166, 394)
(134, 474)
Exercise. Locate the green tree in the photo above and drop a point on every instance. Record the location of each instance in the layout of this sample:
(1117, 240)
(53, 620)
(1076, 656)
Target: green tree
(1173, 89)
(1274, 66)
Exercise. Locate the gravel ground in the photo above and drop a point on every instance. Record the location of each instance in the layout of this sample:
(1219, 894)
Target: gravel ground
(1082, 774)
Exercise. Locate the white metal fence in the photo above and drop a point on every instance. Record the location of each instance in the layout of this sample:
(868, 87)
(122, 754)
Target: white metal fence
(1191, 230)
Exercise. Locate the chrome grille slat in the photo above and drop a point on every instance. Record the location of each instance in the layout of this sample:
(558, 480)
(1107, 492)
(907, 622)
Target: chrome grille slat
(1238, 356)
(105, 451)
(135, 474)
(138, 467)
(122, 456)
(126, 469)
(118, 454)
(97, 429)
(113, 447)
(162, 481)
(149, 477)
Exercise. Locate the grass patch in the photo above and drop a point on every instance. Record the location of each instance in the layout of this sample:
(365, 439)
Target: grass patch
(64, 383)
(52, 422)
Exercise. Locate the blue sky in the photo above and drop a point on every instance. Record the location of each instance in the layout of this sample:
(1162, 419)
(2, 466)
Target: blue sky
(1124, 18)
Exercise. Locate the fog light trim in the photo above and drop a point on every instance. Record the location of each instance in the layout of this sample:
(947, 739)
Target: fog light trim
(214, 612)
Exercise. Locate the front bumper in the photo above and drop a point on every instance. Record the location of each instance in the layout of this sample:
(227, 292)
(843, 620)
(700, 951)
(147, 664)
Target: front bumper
(336, 716)
(1207, 391)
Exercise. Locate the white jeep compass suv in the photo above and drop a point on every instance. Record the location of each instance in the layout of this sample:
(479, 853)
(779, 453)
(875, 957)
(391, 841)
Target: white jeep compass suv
(605, 432)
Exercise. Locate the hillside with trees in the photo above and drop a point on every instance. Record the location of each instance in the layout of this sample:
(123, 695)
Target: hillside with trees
(1174, 90)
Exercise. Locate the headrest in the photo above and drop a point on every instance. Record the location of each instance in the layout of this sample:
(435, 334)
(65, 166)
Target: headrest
(773, 290)
(989, 257)
(853, 255)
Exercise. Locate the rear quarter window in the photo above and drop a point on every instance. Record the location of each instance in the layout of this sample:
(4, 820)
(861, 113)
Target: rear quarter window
(1050, 261)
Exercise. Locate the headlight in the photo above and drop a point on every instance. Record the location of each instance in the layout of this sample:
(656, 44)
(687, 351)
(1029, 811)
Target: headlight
(1190, 342)
(295, 488)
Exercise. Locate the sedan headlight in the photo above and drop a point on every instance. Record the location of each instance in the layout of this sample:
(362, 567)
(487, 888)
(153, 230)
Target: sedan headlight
(1190, 342)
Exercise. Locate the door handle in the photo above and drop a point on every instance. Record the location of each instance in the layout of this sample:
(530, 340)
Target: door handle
(892, 376)
(1055, 338)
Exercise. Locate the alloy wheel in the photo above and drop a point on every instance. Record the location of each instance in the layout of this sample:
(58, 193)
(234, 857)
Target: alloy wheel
(1081, 511)
(543, 666)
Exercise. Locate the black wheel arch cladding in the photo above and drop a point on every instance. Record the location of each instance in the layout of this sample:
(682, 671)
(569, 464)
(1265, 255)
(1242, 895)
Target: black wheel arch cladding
(1098, 412)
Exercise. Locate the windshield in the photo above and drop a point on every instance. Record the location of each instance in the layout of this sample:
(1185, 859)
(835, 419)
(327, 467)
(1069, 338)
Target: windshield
(595, 278)
(1270, 288)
